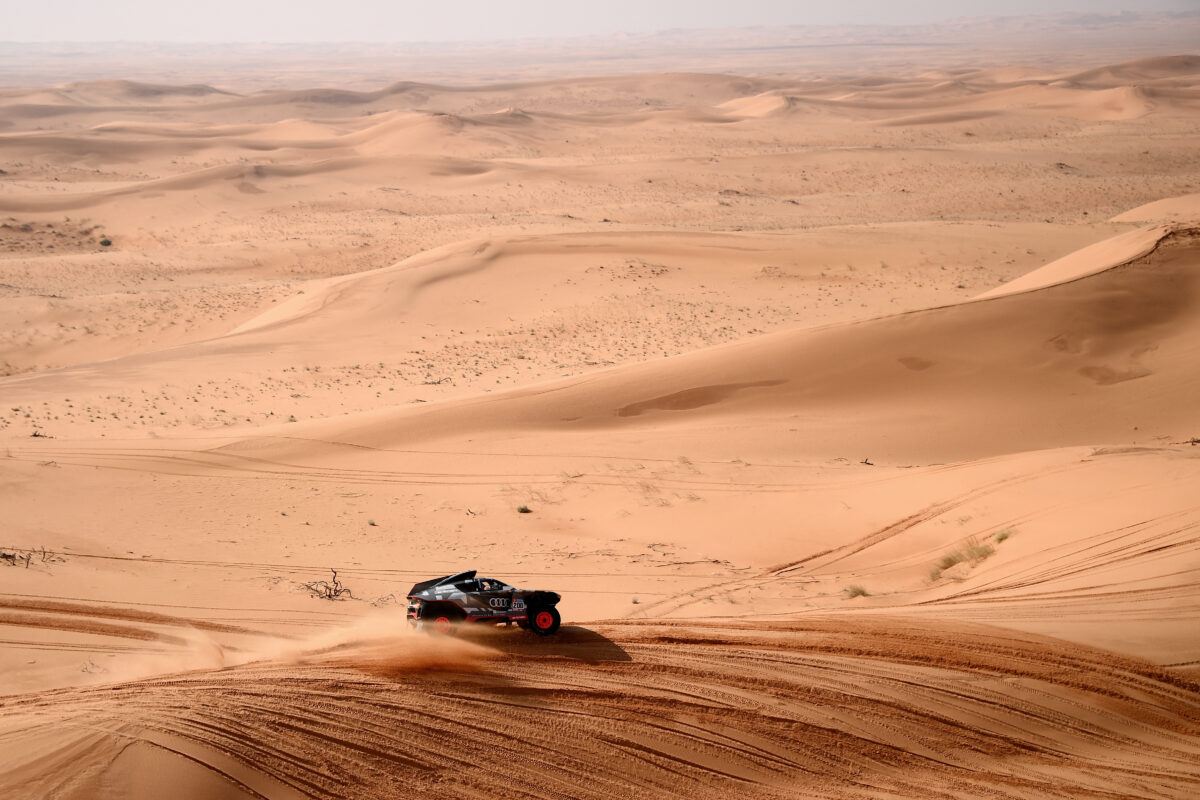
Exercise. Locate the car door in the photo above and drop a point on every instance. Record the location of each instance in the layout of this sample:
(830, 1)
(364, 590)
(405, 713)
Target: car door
(496, 596)
(472, 600)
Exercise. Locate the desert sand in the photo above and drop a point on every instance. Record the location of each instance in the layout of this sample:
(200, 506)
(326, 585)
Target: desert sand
(855, 414)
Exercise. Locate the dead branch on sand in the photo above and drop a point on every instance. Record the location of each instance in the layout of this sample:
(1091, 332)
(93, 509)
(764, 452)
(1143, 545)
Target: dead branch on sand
(14, 558)
(329, 590)
(20, 554)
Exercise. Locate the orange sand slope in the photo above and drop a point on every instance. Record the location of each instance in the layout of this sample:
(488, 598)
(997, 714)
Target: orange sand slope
(1026, 362)
(854, 419)
(820, 708)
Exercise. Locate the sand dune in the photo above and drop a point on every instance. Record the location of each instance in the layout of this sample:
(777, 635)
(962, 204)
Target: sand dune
(712, 710)
(1120, 339)
(201, 178)
(852, 413)
(1112, 92)
(761, 105)
(616, 94)
(1167, 209)
(1147, 69)
(119, 91)
(1096, 258)
(634, 295)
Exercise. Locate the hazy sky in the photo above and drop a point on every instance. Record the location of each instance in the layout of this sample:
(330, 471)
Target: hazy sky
(454, 20)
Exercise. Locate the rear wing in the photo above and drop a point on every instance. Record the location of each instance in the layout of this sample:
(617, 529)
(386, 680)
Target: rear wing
(446, 579)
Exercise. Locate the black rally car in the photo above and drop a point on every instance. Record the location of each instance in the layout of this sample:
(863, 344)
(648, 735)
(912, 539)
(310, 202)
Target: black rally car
(442, 603)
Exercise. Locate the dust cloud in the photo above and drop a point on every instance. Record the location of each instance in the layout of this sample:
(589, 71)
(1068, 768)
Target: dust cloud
(379, 643)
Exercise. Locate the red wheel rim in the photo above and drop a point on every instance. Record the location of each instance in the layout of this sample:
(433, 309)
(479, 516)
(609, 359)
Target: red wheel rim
(543, 620)
(442, 624)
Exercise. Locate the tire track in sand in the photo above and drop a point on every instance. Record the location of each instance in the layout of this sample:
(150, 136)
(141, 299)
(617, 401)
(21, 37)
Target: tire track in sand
(855, 706)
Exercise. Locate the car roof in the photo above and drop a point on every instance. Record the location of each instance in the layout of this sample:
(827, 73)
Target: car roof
(444, 580)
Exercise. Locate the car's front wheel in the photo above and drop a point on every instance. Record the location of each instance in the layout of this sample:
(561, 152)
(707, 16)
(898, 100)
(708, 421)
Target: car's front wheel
(544, 621)
(441, 621)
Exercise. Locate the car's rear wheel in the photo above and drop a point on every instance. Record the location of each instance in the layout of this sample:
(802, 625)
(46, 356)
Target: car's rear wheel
(544, 621)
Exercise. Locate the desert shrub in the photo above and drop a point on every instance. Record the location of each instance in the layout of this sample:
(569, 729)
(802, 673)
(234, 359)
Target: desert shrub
(524, 510)
(1002, 535)
(949, 560)
(976, 552)
(106, 242)
(856, 591)
(972, 552)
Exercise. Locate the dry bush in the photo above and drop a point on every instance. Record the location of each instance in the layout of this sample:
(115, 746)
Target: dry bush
(20, 556)
(329, 590)
(972, 552)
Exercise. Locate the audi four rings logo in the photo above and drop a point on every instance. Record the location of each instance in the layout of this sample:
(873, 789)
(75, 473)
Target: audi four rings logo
(498, 602)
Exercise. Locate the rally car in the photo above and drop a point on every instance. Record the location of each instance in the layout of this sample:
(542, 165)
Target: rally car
(443, 603)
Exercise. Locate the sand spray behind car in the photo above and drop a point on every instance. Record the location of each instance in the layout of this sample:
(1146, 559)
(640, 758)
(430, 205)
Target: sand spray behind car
(379, 643)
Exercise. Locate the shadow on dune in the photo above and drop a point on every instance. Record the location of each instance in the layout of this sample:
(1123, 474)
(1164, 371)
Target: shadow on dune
(571, 641)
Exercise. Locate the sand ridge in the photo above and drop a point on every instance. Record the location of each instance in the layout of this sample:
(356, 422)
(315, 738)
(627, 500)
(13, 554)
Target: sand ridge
(1118, 326)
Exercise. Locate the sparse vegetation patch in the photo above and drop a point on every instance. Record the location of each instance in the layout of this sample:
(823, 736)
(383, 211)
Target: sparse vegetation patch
(972, 552)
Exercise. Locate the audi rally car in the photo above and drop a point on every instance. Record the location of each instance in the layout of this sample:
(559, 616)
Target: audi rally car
(442, 603)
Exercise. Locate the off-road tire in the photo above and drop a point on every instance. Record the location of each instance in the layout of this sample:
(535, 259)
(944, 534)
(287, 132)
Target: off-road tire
(544, 620)
(441, 621)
